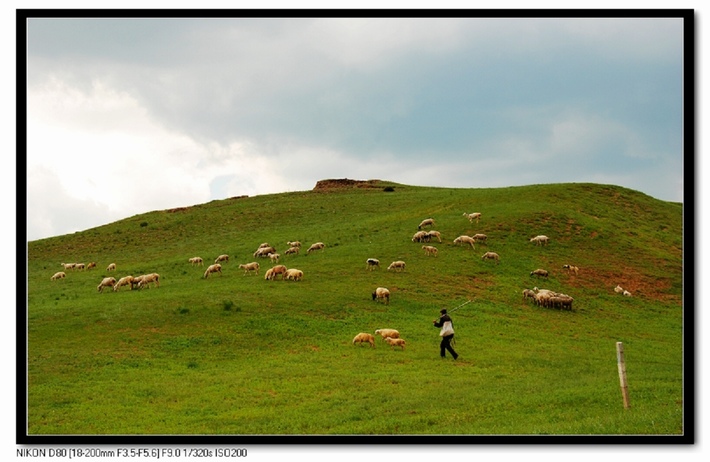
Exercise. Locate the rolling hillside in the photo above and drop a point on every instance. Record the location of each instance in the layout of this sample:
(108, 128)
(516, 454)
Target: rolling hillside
(236, 354)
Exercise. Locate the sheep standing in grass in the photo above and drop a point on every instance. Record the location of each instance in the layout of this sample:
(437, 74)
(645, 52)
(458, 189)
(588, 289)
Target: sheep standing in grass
(124, 281)
(196, 261)
(372, 264)
(540, 240)
(364, 337)
(571, 269)
(274, 257)
(491, 256)
(264, 252)
(106, 282)
(383, 294)
(480, 237)
(387, 333)
(528, 294)
(293, 274)
(216, 268)
(147, 279)
(91, 265)
(397, 266)
(252, 267)
(626, 293)
(224, 258)
(421, 236)
(618, 289)
(435, 234)
(539, 273)
(271, 273)
(430, 250)
(473, 216)
(292, 250)
(58, 275)
(111, 267)
(427, 222)
(395, 342)
(314, 247)
(465, 240)
(294, 244)
(80, 266)
(68, 266)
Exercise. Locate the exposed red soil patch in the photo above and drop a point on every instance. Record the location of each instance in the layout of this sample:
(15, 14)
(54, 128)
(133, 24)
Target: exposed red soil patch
(324, 185)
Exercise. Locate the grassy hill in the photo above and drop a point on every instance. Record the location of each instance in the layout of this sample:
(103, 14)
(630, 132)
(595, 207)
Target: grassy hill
(236, 354)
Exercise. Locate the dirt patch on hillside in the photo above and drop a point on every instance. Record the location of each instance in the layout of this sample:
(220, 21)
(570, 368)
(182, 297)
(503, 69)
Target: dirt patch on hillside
(325, 185)
(627, 277)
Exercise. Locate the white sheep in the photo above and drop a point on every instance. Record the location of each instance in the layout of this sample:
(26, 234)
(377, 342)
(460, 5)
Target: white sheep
(364, 337)
(124, 281)
(111, 267)
(252, 267)
(293, 274)
(264, 245)
(571, 269)
(271, 273)
(148, 278)
(479, 237)
(473, 216)
(294, 244)
(430, 250)
(618, 289)
(435, 234)
(91, 265)
(216, 268)
(106, 282)
(372, 263)
(387, 333)
(421, 236)
(381, 293)
(465, 240)
(79, 266)
(196, 261)
(316, 246)
(398, 265)
(491, 256)
(426, 222)
(264, 251)
(527, 293)
(274, 257)
(222, 257)
(540, 240)
(68, 266)
(292, 250)
(539, 273)
(136, 281)
(395, 342)
(626, 293)
(58, 275)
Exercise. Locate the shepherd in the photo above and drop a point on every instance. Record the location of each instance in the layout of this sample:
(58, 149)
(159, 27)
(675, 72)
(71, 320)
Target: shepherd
(446, 333)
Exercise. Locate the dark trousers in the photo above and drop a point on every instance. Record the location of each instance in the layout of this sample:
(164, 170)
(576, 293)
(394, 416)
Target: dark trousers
(446, 345)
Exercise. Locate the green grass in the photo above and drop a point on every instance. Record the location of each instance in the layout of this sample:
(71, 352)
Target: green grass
(235, 354)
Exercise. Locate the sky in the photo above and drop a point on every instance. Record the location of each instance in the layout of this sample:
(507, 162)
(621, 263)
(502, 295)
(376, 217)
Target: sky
(131, 115)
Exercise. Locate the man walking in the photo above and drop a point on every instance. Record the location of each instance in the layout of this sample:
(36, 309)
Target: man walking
(446, 334)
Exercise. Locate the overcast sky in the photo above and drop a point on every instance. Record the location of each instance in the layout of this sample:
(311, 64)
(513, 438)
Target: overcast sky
(126, 116)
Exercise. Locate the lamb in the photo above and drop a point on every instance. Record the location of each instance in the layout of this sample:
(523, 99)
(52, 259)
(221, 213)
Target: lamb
(473, 216)
(196, 261)
(421, 236)
(540, 240)
(465, 240)
(293, 274)
(372, 263)
(527, 293)
(395, 342)
(427, 222)
(618, 289)
(91, 265)
(222, 257)
(68, 266)
(387, 333)
(571, 269)
(250, 267)
(274, 257)
(216, 268)
(491, 256)
(397, 266)
(626, 293)
(316, 246)
(106, 282)
(148, 278)
(435, 234)
(80, 266)
(539, 273)
(364, 337)
(111, 267)
(430, 250)
(479, 237)
(59, 275)
(292, 250)
(264, 251)
(271, 273)
(294, 244)
(124, 281)
(381, 293)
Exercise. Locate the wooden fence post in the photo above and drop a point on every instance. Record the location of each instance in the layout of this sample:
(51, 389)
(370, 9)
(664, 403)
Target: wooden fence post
(622, 373)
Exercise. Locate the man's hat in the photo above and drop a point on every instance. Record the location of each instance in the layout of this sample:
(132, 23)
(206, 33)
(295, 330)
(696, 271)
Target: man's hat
(443, 311)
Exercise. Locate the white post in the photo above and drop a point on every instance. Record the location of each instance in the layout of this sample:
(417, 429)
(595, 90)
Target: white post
(622, 373)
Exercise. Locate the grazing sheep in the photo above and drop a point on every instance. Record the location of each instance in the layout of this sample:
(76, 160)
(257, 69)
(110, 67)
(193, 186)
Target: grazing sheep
(430, 250)
(292, 250)
(421, 236)
(252, 267)
(395, 342)
(491, 256)
(196, 261)
(527, 293)
(264, 251)
(427, 222)
(221, 258)
(68, 266)
(148, 278)
(294, 244)
(571, 269)
(59, 275)
(364, 337)
(91, 265)
(473, 216)
(124, 281)
(136, 281)
(465, 240)
(216, 268)
(540, 240)
(293, 274)
(561, 301)
(387, 333)
(480, 237)
(372, 263)
(111, 267)
(274, 257)
(618, 289)
(397, 266)
(381, 293)
(316, 246)
(539, 273)
(435, 234)
(80, 266)
(626, 293)
(106, 282)
(271, 273)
